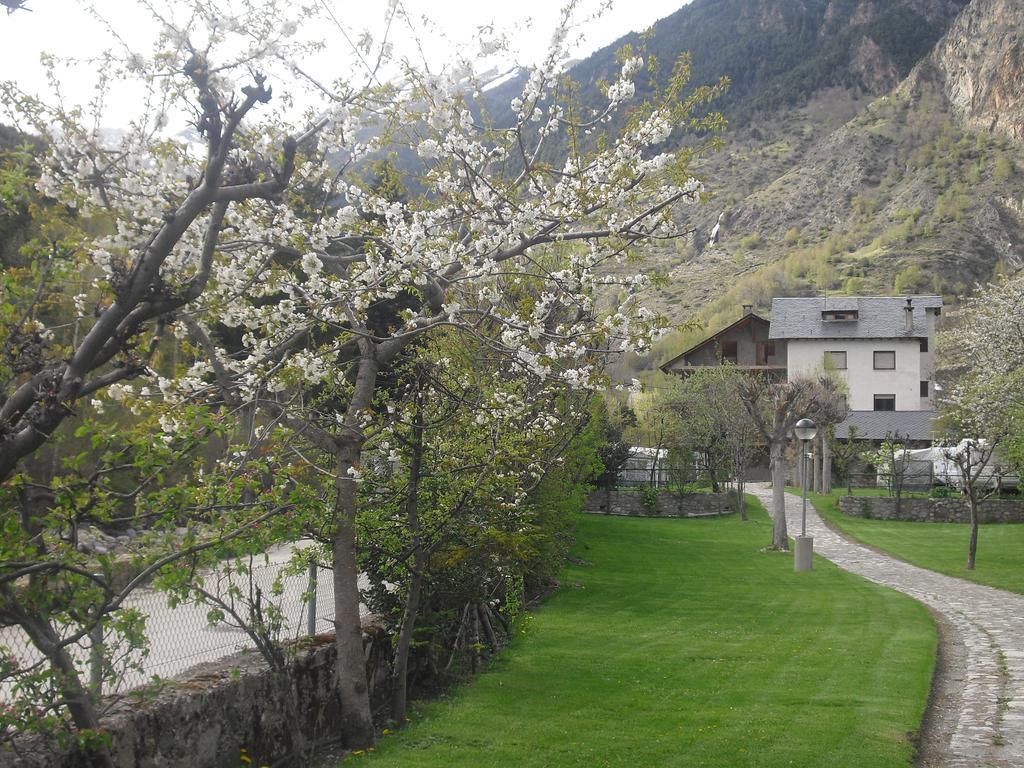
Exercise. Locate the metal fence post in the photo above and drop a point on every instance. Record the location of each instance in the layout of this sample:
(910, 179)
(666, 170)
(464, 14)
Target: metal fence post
(311, 605)
(96, 657)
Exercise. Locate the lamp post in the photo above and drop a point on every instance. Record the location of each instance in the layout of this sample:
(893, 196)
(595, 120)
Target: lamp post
(805, 430)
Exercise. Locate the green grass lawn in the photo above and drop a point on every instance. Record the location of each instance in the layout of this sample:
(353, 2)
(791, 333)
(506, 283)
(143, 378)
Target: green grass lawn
(939, 546)
(680, 644)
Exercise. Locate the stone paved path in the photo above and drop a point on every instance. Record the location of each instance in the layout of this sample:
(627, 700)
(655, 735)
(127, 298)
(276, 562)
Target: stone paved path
(981, 701)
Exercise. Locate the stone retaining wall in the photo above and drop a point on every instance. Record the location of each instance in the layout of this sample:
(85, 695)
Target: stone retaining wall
(932, 510)
(206, 716)
(668, 504)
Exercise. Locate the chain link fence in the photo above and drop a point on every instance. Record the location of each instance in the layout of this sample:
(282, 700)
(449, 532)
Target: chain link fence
(187, 634)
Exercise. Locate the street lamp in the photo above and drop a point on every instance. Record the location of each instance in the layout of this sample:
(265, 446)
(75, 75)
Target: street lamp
(805, 430)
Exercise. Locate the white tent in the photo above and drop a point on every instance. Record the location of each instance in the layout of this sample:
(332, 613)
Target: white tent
(937, 462)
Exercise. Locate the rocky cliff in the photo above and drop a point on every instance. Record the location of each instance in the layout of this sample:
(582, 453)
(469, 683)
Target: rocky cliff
(979, 66)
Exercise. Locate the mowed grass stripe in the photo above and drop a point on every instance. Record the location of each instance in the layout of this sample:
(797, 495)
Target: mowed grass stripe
(939, 547)
(683, 645)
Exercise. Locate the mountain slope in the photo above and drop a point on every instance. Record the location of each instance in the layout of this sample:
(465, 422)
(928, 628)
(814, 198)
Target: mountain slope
(918, 190)
(779, 53)
(979, 67)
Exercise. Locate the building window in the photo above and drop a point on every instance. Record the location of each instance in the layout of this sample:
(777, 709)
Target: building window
(924, 345)
(835, 314)
(729, 352)
(836, 360)
(885, 402)
(769, 349)
(885, 361)
(924, 389)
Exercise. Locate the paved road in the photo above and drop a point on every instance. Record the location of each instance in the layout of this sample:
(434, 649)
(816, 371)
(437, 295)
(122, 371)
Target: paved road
(981, 699)
(182, 637)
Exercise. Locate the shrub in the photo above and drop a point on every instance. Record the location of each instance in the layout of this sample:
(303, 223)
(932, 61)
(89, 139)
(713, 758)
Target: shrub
(751, 241)
(649, 500)
(911, 280)
(1003, 169)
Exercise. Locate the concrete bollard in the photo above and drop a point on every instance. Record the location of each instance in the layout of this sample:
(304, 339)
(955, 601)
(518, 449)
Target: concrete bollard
(802, 556)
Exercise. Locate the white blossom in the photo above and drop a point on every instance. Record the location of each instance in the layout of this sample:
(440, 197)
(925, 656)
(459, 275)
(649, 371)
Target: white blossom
(429, 149)
(623, 90)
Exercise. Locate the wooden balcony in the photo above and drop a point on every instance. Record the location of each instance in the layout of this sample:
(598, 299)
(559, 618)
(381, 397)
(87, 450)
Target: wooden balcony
(772, 371)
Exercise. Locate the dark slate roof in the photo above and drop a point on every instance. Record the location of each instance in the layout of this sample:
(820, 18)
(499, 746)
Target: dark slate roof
(879, 317)
(841, 302)
(875, 425)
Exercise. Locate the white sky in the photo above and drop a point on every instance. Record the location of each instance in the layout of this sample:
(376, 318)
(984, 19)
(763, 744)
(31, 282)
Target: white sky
(62, 27)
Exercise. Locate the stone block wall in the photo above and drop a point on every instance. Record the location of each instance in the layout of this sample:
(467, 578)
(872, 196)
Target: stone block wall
(952, 510)
(206, 716)
(668, 504)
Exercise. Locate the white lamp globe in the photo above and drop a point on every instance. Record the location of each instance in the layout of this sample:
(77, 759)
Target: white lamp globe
(805, 429)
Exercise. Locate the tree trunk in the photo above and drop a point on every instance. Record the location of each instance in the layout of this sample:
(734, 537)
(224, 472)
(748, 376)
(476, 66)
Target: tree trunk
(896, 474)
(972, 547)
(492, 639)
(475, 647)
(399, 693)
(353, 690)
(246, 427)
(741, 503)
(655, 464)
(816, 452)
(826, 465)
(76, 697)
(780, 536)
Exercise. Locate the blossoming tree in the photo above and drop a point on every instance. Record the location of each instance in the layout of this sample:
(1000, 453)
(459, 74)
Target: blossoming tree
(981, 366)
(299, 284)
(151, 214)
(319, 303)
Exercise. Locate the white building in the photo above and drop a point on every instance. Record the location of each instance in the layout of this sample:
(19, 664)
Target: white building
(643, 466)
(881, 347)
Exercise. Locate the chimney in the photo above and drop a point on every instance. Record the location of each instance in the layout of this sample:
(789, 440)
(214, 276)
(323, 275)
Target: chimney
(748, 309)
(908, 316)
